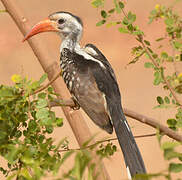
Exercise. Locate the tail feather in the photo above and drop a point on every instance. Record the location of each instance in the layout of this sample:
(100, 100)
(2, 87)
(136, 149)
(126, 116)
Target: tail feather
(133, 159)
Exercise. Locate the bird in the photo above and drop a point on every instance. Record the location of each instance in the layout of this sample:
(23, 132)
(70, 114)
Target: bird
(92, 83)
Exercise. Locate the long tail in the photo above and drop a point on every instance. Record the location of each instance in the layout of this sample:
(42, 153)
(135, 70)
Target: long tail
(133, 159)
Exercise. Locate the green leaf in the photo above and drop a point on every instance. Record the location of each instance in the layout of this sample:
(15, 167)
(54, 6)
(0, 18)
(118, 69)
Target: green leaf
(157, 78)
(123, 30)
(43, 78)
(175, 167)
(59, 122)
(164, 55)
(169, 21)
(177, 44)
(171, 122)
(117, 7)
(167, 100)
(42, 95)
(147, 42)
(111, 11)
(41, 103)
(103, 14)
(131, 17)
(42, 113)
(121, 4)
(101, 22)
(170, 145)
(160, 39)
(97, 3)
(160, 100)
(171, 154)
(149, 65)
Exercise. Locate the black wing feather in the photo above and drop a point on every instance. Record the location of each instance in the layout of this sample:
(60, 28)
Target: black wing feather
(109, 87)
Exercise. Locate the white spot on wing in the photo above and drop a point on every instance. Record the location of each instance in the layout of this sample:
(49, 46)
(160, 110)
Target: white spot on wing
(78, 79)
(91, 51)
(128, 172)
(127, 126)
(70, 84)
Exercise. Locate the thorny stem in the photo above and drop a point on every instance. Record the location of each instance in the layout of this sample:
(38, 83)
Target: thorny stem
(106, 140)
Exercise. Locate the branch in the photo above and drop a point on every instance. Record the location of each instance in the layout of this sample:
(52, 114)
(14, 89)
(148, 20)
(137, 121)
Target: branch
(153, 123)
(156, 65)
(106, 140)
(48, 84)
(139, 117)
(165, 80)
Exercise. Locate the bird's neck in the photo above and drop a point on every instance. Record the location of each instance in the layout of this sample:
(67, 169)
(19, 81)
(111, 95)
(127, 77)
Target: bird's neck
(70, 42)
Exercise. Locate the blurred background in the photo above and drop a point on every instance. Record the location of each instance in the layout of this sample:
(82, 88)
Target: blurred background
(135, 81)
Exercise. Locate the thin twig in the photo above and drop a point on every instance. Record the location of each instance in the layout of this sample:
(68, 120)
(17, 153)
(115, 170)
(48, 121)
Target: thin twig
(48, 84)
(165, 79)
(157, 66)
(106, 140)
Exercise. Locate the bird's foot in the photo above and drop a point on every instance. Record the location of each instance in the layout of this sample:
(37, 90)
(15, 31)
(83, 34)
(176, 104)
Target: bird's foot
(76, 106)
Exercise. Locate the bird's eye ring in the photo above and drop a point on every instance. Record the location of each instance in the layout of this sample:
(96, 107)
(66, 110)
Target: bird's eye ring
(61, 21)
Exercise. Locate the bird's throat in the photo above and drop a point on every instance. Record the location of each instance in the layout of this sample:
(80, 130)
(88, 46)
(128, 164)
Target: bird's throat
(70, 41)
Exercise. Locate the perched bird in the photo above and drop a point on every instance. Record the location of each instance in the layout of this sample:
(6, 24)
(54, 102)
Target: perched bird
(92, 83)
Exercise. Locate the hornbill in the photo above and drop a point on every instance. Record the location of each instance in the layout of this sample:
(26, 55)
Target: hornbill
(92, 83)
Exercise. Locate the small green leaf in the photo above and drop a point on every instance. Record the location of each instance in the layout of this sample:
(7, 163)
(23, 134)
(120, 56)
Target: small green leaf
(121, 4)
(164, 55)
(42, 113)
(175, 167)
(170, 145)
(111, 11)
(59, 122)
(97, 3)
(157, 78)
(171, 122)
(160, 39)
(123, 30)
(42, 95)
(125, 21)
(101, 22)
(169, 21)
(117, 8)
(177, 44)
(103, 14)
(43, 78)
(131, 17)
(160, 100)
(149, 65)
(147, 42)
(41, 103)
(167, 100)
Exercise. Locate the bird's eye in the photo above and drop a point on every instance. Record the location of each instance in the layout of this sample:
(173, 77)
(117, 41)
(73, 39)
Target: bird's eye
(61, 21)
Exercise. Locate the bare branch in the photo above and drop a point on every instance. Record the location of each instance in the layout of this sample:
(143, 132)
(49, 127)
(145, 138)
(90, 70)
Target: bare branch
(48, 84)
(153, 123)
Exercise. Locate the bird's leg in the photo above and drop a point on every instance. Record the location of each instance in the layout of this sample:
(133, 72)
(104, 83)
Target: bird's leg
(76, 106)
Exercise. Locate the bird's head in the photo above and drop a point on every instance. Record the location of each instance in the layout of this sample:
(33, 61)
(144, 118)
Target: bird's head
(63, 23)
